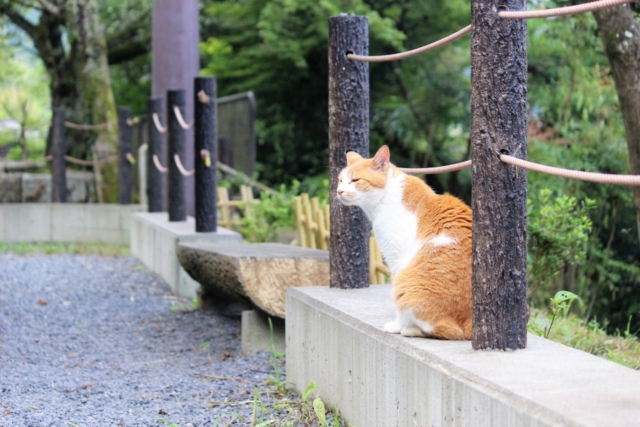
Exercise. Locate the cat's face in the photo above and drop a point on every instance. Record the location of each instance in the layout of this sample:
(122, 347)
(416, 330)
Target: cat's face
(363, 180)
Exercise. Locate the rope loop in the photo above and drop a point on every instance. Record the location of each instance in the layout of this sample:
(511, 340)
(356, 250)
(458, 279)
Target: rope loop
(156, 122)
(183, 171)
(183, 124)
(409, 53)
(562, 11)
(158, 165)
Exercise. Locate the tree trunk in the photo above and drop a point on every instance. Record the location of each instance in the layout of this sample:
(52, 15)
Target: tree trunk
(499, 199)
(89, 61)
(620, 34)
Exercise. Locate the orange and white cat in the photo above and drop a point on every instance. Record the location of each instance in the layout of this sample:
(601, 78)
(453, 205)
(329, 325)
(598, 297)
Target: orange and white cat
(425, 238)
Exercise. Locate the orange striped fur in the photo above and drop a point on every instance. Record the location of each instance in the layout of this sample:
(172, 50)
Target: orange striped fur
(425, 239)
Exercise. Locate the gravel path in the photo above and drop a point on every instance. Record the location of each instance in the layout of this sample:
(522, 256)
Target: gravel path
(87, 340)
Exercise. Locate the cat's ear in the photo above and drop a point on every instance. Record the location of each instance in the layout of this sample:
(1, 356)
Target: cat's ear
(352, 157)
(381, 159)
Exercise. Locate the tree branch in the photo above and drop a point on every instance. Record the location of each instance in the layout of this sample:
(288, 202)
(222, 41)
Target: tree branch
(128, 51)
(50, 7)
(19, 20)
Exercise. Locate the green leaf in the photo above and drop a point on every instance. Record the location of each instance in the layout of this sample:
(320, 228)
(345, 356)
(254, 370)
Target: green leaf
(318, 407)
(308, 390)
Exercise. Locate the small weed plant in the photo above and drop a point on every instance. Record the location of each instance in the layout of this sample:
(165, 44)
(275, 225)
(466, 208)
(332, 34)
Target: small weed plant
(559, 305)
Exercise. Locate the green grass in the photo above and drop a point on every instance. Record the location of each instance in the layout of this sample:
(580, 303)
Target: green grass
(622, 348)
(52, 248)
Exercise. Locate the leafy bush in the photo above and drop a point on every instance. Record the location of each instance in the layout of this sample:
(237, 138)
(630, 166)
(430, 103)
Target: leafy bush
(558, 232)
(263, 221)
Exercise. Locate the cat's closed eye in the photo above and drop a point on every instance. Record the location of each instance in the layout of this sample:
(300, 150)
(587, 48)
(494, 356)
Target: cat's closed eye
(355, 180)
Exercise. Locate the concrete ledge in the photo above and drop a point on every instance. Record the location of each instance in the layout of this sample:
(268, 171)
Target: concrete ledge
(154, 241)
(335, 337)
(66, 222)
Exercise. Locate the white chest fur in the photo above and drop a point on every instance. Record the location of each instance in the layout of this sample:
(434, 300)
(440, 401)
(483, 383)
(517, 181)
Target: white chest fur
(395, 227)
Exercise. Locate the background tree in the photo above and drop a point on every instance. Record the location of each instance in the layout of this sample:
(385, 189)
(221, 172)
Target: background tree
(69, 38)
(278, 50)
(620, 34)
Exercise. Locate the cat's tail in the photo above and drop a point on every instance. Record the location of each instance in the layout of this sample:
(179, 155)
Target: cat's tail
(450, 330)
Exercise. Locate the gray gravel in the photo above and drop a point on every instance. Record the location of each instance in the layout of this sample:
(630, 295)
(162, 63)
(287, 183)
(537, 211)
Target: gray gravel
(87, 340)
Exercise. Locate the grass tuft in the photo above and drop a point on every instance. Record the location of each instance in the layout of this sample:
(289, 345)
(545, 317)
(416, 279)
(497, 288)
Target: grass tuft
(55, 248)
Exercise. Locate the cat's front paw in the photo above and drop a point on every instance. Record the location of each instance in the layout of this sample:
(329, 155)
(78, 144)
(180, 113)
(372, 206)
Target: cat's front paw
(392, 327)
(412, 331)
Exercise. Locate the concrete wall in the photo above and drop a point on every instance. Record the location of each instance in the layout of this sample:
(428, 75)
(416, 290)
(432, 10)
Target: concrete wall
(335, 338)
(154, 241)
(68, 222)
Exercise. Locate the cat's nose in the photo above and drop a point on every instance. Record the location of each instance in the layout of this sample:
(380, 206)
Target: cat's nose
(340, 192)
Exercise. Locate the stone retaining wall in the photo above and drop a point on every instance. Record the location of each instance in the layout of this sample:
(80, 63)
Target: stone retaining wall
(36, 188)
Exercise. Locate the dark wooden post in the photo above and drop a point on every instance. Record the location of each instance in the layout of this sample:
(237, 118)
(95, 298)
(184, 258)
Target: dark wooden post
(348, 130)
(155, 178)
(499, 125)
(124, 165)
(58, 163)
(205, 142)
(177, 141)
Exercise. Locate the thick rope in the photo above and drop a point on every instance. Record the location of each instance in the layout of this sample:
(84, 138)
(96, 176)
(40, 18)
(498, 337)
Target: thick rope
(156, 122)
(439, 169)
(602, 178)
(409, 53)
(81, 162)
(158, 165)
(183, 171)
(86, 127)
(561, 11)
(181, 121)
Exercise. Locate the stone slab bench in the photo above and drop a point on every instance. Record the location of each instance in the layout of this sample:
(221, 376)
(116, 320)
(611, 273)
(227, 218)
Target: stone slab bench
(259, 273)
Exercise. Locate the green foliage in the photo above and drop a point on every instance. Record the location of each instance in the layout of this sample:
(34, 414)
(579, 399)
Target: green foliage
(577, 124)
(263, 221)
(278, 49)
(558, 232)
(24, 97)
